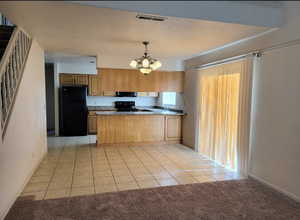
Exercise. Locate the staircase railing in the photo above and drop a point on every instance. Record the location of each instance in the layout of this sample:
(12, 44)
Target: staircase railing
(11, 70)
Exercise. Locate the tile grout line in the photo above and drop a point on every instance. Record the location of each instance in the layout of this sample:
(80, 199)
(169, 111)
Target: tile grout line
(145, 165)
(161, 166)
(73, 173)
(161, 152)
(52, 176)
(108, 161)
(92, 164)
(182, 168)
(128, 168)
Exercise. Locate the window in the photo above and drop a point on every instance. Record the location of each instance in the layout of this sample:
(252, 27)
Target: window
(169, 98)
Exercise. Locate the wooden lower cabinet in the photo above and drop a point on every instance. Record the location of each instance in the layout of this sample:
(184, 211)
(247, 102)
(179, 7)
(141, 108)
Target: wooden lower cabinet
(172, 128)
(92, 124)
(118, 129)
(129, 128)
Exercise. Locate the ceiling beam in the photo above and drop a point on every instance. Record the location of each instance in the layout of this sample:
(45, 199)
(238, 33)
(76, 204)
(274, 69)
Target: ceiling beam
(268, 15)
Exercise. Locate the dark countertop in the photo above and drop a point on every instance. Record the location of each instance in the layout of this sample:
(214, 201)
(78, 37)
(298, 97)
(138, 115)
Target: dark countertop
(101, 108)
(110, 110)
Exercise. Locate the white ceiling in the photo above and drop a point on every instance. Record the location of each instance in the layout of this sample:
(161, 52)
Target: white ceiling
(86, 30)
(257, 13)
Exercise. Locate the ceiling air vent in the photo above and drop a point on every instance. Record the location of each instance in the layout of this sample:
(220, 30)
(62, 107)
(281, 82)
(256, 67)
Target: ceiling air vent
(150, 17)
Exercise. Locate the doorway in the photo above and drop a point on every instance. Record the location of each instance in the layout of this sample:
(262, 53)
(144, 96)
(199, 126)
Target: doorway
(219, 109)
(50, 106)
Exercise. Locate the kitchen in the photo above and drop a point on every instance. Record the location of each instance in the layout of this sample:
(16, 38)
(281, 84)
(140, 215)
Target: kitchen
(148, 108)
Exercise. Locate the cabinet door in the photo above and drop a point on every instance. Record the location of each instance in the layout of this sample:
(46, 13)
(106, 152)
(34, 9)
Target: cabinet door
(171, 81)
(127, 80)
(153, 94)
(172, 128)
(109, 93)
(66, 79)
(92, 124)
(93, 85)
(81, 79)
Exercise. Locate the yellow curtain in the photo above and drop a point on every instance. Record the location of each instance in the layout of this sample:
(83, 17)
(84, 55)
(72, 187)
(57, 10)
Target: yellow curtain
(219, 113)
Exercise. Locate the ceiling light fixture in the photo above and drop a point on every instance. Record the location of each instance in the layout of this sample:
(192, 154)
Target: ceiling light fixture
(145, 64)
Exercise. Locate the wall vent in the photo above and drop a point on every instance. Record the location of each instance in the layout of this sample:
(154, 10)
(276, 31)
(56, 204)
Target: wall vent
(150, 17)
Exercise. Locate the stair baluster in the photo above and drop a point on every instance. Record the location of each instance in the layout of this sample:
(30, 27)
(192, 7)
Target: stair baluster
(11, 70)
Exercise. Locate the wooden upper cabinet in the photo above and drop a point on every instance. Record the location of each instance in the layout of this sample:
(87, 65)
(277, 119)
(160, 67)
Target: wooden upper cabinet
(66, 79)
(93, 85)
(81, 79)
(129, 80)
(73, 79)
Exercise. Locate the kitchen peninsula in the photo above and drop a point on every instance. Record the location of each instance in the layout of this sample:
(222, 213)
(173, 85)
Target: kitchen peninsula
(140, 127)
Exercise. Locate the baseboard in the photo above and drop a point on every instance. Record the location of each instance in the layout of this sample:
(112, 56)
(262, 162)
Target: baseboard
(288, 194)
(2, 215)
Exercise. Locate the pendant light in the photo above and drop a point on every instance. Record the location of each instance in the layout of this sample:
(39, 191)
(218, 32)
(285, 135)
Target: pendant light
(146, 64)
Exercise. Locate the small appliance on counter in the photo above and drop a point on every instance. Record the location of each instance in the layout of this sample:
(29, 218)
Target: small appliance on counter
(73, 111)
(125, 106)
(126, 94)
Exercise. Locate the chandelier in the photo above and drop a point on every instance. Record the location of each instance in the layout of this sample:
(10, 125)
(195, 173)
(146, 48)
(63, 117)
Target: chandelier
(145, 64)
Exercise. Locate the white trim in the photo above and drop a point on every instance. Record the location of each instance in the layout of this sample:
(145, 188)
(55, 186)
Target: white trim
(3, 214)
(265, 182)
(225, 61)
(230, 44)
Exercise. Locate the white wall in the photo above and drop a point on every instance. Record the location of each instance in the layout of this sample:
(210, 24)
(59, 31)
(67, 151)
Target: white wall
(191, 93)
(73, 64)
(80, 65)
(179, 101)
(275, 147)
(109, 101)
(24, 144)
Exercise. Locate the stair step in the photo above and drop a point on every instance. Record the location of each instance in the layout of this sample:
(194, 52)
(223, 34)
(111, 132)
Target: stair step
(6, 28)
(5, 35)
(1, 53)
(6, 32)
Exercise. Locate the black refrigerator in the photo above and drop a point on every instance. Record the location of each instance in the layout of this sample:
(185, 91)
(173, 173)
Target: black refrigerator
(73, 111)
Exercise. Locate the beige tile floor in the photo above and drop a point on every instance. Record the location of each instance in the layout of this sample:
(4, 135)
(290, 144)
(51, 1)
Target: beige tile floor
(74, 166)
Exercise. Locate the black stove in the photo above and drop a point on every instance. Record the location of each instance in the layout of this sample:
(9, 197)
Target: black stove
(125, 106)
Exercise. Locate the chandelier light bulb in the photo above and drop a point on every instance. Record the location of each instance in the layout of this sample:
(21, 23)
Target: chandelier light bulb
(133, 64)
(156, 65)
(146, 63)
(145, 71)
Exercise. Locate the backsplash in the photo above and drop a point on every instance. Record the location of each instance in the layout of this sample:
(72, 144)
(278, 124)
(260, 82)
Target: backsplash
(179, 102)
(109, 101)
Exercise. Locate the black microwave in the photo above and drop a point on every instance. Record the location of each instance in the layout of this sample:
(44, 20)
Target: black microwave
(126, 94)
